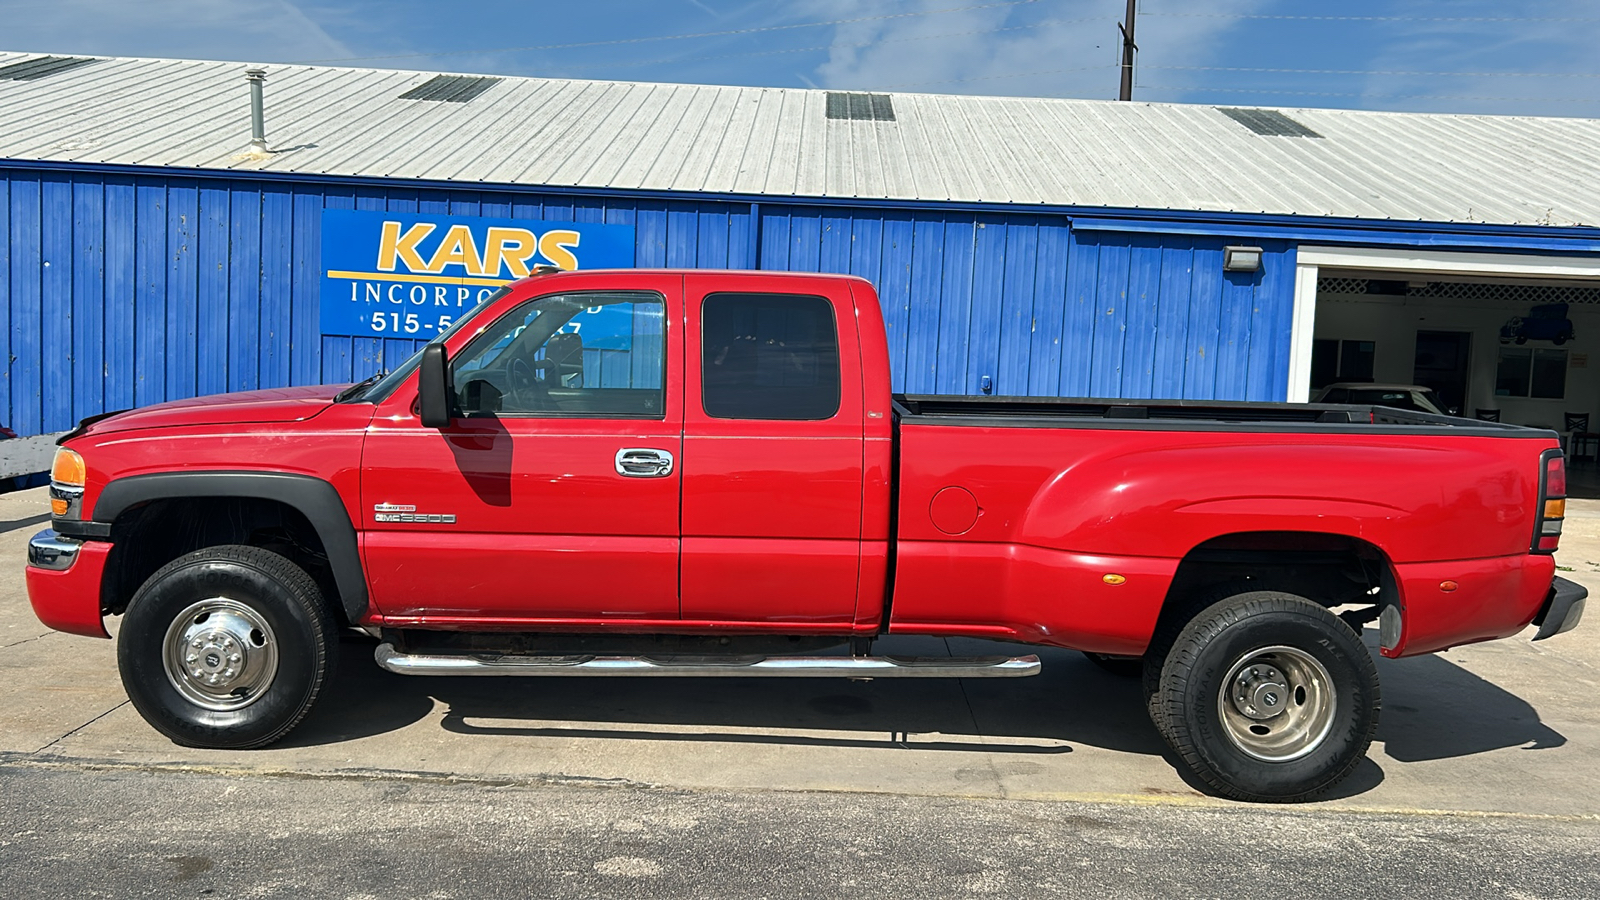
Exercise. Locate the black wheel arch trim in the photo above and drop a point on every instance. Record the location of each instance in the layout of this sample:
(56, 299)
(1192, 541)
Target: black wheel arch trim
(315, 498)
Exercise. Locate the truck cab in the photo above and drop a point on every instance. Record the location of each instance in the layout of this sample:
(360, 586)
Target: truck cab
(638, 449)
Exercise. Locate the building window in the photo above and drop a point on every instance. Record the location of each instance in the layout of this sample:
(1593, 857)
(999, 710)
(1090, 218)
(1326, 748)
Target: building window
(1341, 361)
(1529, 372)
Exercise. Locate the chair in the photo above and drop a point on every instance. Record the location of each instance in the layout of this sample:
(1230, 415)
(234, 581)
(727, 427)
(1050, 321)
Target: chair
(1486, 415)
(1580, 438)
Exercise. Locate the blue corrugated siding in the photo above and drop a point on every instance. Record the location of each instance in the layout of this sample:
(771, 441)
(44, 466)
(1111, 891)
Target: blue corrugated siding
(126, 290)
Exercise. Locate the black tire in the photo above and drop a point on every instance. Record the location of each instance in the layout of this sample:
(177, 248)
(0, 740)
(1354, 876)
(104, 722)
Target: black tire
(1120, 666)
(243, 587)
(1219, 648)
(1171, 624)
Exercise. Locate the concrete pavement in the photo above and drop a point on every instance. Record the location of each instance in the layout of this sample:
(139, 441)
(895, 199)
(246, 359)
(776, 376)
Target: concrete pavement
(1508, 727)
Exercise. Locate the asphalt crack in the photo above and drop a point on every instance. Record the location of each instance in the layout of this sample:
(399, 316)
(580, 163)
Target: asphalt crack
(27, 640)
(972, 716)
(81, 727)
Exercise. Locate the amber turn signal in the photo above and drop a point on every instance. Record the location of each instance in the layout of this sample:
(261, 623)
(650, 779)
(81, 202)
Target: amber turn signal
(1448, 586)
(1113, 579)
(68, 469)
(1555, 509)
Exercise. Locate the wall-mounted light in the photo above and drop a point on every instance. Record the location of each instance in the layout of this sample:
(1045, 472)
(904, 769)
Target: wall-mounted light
(1241, 259)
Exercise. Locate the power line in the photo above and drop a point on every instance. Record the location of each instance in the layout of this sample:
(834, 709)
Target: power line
(820, 47)
(1221, 90)
(884, 87)
(1374, 18)
(1379, 72)
(681, 37)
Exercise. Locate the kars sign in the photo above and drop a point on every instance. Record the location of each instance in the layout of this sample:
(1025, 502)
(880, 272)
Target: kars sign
(410, 275)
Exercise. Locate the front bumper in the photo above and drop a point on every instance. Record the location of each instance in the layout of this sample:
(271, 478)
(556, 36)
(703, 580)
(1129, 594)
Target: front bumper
(1562, 609)
(64, 577)
(52, 550)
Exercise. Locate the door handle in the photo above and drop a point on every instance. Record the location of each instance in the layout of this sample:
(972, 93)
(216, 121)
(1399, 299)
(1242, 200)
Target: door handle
(643, 462)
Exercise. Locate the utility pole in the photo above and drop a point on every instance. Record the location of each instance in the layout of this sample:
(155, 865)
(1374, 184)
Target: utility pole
(1128, 48)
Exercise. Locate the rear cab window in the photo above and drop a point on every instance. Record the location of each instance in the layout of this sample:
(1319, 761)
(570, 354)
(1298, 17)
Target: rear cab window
(769, 356)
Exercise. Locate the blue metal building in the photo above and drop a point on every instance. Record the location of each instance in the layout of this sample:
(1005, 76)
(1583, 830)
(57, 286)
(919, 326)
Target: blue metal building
(1038, 247)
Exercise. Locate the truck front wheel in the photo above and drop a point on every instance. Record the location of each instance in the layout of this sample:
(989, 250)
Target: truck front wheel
(226, 648)
(1268, 697)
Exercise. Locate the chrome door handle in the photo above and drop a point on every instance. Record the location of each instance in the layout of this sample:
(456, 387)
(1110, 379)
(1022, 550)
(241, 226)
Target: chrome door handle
(643, 462)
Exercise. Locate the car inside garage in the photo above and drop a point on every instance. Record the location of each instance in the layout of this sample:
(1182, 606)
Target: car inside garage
(1520, 353)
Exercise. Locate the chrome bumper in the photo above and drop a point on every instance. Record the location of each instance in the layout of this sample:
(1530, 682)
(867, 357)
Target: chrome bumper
(53, 551)
(1562, 609)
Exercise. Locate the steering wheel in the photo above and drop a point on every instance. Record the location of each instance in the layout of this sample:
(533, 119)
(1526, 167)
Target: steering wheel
(526, 389)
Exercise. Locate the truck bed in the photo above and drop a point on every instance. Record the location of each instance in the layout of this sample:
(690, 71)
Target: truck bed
(1204, 415)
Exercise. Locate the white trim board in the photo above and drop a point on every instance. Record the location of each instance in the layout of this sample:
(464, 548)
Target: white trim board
(1443, 262)
(1310, 260)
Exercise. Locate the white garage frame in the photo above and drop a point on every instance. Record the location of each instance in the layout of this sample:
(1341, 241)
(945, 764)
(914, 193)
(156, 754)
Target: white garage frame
(1309, 260)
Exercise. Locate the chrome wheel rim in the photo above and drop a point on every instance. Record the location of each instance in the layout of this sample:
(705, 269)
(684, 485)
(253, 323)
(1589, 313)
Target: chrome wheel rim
(1277, 703)
(220, 654)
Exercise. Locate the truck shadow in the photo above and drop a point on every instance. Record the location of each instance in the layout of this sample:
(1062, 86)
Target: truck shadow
(1434, 709)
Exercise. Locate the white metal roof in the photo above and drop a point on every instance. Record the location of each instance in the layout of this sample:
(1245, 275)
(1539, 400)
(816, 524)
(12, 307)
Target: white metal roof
(778, 141)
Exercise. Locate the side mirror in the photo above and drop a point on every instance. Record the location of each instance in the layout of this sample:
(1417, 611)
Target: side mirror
(433, 387)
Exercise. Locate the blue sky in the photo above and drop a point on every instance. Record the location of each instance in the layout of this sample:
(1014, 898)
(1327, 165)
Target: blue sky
(1531, 57)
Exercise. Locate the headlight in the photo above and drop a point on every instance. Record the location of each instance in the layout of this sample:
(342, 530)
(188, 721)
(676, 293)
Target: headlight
(67, 477)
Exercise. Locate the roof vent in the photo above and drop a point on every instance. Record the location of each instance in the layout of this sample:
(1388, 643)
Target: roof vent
(1269, 122)
(865, 107)
(43, 67)
(450, 88)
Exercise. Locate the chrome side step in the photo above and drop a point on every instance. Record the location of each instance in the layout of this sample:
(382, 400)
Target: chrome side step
(708, 666)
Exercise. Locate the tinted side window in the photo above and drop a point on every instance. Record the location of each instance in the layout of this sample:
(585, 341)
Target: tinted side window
(769, 356)
(578, 355)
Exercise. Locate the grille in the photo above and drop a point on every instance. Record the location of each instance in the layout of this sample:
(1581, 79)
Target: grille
(1533, 294)
(43, 67)
(1269, 122)
(450, 88)
(863, 107)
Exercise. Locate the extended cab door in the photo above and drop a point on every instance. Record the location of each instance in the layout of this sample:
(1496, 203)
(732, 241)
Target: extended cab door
(553, 494)
(772, 456)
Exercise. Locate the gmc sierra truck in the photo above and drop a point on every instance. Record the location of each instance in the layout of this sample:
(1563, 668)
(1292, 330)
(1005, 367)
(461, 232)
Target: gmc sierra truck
(691, 473)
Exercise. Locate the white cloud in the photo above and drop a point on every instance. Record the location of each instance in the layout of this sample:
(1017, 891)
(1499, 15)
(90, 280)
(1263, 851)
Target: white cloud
(1069, 48)
(1546, 43)
(248, 30)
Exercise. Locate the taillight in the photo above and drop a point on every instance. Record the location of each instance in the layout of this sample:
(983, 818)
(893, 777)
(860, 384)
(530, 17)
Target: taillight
(1552, 501)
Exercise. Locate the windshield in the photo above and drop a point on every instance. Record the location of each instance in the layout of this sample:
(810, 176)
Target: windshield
(385, 386)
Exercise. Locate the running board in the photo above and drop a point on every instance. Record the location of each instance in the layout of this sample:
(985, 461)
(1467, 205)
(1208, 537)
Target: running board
(709, 666)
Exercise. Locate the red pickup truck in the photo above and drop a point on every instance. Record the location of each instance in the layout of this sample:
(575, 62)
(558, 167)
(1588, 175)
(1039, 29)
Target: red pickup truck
(704, 474)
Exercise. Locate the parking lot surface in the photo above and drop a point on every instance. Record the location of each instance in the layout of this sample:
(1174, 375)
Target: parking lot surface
(1497, 744)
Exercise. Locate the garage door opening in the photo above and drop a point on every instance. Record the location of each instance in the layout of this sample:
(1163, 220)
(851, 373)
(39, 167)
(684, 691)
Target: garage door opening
(1522, 353)
(1509, 339)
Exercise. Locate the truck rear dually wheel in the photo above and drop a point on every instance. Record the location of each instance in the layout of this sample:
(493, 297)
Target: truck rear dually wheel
(226, 647)
(1267, 696)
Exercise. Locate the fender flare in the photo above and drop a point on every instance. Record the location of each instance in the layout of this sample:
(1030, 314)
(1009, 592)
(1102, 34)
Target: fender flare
(314, 498)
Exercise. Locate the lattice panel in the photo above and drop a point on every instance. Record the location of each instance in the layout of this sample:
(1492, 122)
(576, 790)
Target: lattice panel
(1532, 294)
